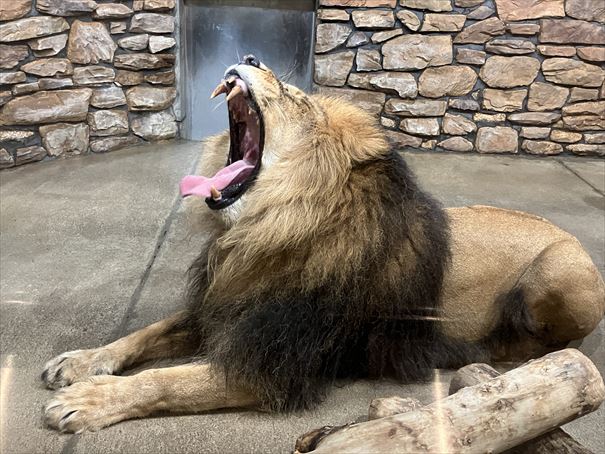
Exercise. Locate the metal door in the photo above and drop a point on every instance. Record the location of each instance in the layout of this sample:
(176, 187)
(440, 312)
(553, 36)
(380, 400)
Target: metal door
(217, 33)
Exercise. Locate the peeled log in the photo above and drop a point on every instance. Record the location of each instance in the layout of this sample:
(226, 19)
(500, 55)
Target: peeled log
(489, 417)
(389, 406)
(556, 441)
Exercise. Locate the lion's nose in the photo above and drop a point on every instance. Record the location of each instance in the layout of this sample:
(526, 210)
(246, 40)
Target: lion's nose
(251, 60)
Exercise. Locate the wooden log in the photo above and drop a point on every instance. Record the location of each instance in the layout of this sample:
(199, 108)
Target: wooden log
(389, 406)
(555, 441)
(489, 417)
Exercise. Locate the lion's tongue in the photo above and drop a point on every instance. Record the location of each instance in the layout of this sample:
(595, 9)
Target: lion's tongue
(197, 185)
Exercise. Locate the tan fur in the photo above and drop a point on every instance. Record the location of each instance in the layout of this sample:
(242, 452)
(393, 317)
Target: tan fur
(271, 228)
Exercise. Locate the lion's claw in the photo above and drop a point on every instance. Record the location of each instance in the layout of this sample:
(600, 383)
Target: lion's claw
(76, 366)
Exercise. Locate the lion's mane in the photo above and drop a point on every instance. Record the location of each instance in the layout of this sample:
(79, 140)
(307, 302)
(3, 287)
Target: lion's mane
(334, 269)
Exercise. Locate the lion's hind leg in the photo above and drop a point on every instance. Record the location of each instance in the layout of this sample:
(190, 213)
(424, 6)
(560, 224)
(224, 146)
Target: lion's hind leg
(164, 339)
(105, 400)
(564, 292)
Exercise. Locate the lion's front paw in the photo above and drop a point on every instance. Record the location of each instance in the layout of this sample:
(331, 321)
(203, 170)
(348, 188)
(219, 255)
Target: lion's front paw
(89, 405)
(76, 366)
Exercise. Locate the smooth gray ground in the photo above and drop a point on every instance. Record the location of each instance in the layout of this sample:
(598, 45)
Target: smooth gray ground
(95, 247)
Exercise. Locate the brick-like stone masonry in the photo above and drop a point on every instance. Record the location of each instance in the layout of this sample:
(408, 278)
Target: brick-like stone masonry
(503, 76)
(84, 75)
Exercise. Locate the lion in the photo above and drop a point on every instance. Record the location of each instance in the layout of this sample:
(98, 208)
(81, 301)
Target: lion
(326, 260)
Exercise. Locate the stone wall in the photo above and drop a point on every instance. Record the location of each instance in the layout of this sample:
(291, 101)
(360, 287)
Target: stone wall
(510, 76)
(84, 75)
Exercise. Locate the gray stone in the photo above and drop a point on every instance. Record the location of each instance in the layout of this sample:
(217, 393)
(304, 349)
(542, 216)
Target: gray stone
(533, 132)
(595, 137)
(108, 122)
(558, 135)
(22, 89)
(135, 42)
(470, 56)
(541, 147)
(14, 77)
(361, 80)
(567, 31)
(497, 139)
(510, 46)
(93, 75)
(380, 37)
(420, 126)
(65, 138)
(508, 72)
(357, 39)
(368, 60)
(112, 11)
(394, 82)
(65, 7)
(456, 144)
(409, 19)
(429, 144)
(369, 101)
(566, 71)
(534, 118)
(481, 13)
(373, 19)
(463, 104)
(584, 122)
(116, 28)
(333, 69)
(330, 36)
(443, 22)
(457, 125)
(337, 15)
(415, 108)
(53, 84)
(431, 5)
(29, 154)
(481, 32)
(446, 81)
(46, 107)
(150, 98)
(161, 78)
(12, 55)
(591, 10)
(152, 23)
(5, 96)
(49, 67)
(467, 3)
(113, 143)
(514, 10)
(48, 46)
(14, 9)
(583, 149)
(411, 52)
(6, 159)
(388, 122)
(31, 27)
(401, 140)
(144, 61)
(544, 96)
(155, 126)
(106, 98)
(160, 43)
(90, 42)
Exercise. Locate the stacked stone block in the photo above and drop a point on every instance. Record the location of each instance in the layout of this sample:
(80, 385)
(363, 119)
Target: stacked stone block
(84, 75)
(491, 76)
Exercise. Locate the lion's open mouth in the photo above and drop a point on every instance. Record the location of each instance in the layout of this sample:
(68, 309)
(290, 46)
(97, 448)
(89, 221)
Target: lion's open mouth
(246, 130)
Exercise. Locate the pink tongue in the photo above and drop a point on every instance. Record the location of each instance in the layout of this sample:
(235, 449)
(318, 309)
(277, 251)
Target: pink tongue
(196, 185)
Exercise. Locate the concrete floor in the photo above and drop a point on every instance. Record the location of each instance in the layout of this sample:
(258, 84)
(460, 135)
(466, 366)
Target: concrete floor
(95, 247)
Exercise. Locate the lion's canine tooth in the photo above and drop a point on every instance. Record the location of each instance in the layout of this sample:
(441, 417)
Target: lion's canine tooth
(215, 193)
(234, 92)
(220, 88)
